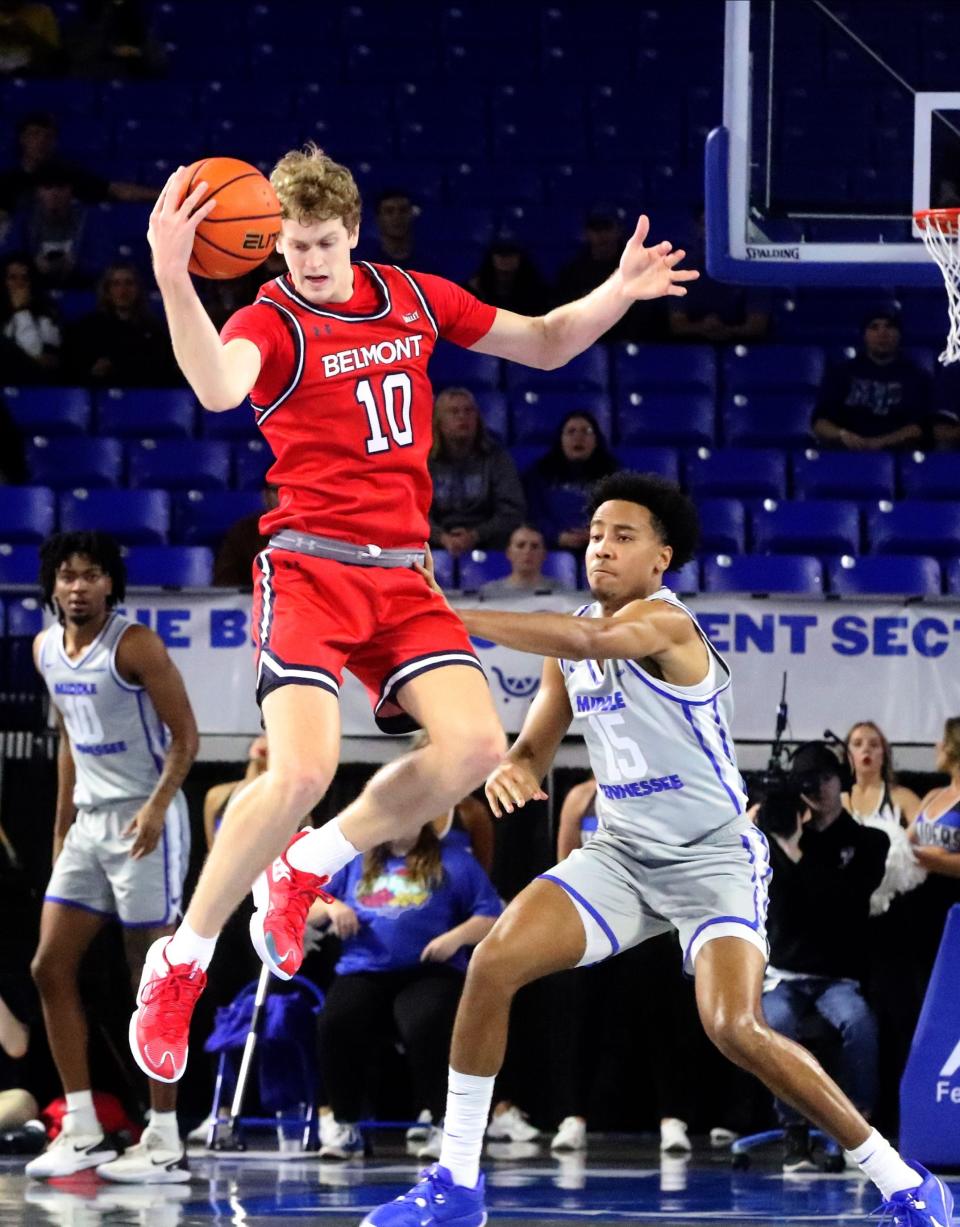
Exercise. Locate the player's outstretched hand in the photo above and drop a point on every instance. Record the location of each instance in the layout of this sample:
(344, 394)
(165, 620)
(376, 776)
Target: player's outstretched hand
(173, 224)
(651, 272)
(510, 786)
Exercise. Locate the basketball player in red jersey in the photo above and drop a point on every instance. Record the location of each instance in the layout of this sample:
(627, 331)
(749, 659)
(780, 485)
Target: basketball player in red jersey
(334, 356)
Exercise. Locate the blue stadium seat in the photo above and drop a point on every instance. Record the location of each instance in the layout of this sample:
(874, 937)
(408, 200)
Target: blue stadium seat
(495, 412)
(740, 472)
(445, 569)
(953, 576)
(915, 527)
(822, 526)
(64, 463)
(19, 564)
(749, 367)
(859, 475)
(27, 513)
(723, 525)
(452, 366)
(931, 475)
(537, 415)
(768, 419)
(24, 619)
(685, 578)
(146, 413)
(681, 419)
(662, 460)
(178, 464)
(233, 424)
(170, 566)
(201, 517)
(793, 573)
(49, 411)
(587, 372)
(887, 575)
(250, 463)
(134, 517)
(480, 566)
(525, 455)
(644, 367)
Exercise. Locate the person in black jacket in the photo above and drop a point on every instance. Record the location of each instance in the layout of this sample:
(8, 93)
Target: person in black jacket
(825, 868)
(878, 400)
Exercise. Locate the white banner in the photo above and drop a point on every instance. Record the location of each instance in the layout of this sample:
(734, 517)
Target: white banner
(845, 661)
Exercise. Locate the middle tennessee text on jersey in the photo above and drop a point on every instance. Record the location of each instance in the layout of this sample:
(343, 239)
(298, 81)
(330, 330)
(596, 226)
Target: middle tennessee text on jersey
(663, 755)
(344, 400)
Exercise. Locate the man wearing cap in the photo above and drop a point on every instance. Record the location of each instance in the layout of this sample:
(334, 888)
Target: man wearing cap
(878, 400)
(825, 868)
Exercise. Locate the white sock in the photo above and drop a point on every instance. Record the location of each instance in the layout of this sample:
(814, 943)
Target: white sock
(188, 947)
(83, 1115)
(468, 1108)
(323, 851)
(878, 1160)
(164, 1123)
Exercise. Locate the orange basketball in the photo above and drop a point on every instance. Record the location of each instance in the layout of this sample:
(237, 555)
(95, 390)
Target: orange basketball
(242, 229)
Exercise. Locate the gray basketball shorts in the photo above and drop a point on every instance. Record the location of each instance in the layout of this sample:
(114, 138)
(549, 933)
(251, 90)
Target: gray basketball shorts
(95, 872)
(626, 893)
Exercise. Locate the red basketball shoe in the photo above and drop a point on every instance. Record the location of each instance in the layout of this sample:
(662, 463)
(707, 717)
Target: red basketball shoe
(160, 1025)
(282, 896)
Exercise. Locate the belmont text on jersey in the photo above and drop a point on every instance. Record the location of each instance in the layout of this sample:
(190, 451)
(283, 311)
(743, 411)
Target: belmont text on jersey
(662, 754)
(344, 400)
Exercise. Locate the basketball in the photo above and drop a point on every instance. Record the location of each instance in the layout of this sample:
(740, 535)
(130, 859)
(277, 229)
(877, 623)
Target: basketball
(242, 229)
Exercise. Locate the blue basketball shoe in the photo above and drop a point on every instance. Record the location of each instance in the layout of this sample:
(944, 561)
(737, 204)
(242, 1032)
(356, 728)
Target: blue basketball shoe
(434, 1199)
(930, 1205)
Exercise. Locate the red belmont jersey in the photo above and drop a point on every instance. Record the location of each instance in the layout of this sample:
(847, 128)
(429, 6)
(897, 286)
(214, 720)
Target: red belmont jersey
(344, 400)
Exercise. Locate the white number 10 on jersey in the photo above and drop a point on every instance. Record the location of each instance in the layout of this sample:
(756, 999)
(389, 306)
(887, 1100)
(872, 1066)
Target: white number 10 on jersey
(400, 427)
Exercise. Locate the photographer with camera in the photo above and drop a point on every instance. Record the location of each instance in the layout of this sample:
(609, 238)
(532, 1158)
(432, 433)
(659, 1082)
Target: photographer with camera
(825, 868)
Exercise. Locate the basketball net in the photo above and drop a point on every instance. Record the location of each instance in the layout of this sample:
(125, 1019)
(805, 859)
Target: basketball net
(940, 230)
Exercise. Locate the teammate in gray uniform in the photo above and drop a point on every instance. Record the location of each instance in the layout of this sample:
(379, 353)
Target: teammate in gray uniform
(121, 838)
(674, 849)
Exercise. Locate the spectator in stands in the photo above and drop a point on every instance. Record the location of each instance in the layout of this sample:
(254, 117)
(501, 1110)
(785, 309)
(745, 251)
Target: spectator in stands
(526, 552)
(29, 38)
(508, 278)
(114, 40)
(477, 496)
(29, 334)
(558, 483)
(395, 241)
(13, 464)
(408, 912)
(223, 298)
(714, 311)
(122, 343)
(826, 867)
(598, 259)
(879, 399)
(54, 225)
(233, 567)
(37, 150)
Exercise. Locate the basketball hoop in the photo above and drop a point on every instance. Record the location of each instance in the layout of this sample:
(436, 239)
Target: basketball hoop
(940, 231)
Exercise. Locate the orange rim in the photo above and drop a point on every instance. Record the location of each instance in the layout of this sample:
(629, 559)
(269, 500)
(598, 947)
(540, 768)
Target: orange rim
(939, 219)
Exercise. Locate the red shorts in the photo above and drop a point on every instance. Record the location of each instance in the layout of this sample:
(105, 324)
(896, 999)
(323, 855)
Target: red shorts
(313, 617)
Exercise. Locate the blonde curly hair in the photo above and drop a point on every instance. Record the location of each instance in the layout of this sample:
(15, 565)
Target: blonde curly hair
(311, 187)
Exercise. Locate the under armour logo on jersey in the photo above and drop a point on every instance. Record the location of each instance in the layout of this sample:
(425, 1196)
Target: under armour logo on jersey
(327, 328)
(411, 316)
(281, 869)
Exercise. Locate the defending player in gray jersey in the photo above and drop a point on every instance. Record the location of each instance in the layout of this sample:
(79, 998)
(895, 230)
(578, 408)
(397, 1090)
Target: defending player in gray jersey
(635, 673)
(121, 838)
